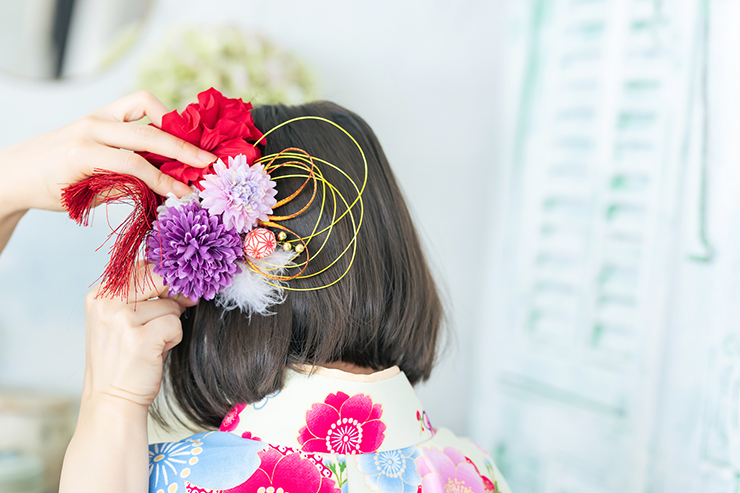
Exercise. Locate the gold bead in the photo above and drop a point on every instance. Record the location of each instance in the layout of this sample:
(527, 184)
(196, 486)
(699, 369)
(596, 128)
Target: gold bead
(287, 247)
(282, 236)
(299, 248)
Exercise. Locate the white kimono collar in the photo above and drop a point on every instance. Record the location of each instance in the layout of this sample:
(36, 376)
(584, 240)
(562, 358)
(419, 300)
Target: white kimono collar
(332, 411)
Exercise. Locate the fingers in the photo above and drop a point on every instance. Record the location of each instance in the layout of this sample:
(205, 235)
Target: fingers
(149, 310)
(134, 107)
(146, 314)
(148, 285)
(129, 163)
(156, 288)
(138, 137)
(166, 330)
(183, 300)
(143, 285)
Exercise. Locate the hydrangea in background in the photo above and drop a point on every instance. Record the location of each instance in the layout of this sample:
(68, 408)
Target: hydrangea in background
(241, 64)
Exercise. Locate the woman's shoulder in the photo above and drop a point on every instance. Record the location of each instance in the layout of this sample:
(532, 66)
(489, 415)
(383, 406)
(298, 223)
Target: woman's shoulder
(446, 449)
(444, 462)
(225, 462)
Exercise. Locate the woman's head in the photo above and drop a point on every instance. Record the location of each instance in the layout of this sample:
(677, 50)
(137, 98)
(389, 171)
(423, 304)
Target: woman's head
(384, 312)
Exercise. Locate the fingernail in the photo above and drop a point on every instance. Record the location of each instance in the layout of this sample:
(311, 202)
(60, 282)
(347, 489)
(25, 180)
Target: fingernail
(181, 189)
(206, 157)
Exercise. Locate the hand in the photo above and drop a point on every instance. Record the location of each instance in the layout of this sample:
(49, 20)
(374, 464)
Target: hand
(35, 171)
(127, 342)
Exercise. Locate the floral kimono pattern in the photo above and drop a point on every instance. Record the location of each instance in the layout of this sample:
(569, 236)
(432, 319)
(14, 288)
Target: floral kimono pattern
(323, 434)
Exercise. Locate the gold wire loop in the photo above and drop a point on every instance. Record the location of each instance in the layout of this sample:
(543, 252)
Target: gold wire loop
(309, 167)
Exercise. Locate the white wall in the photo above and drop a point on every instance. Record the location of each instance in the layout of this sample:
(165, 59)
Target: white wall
(422, 73)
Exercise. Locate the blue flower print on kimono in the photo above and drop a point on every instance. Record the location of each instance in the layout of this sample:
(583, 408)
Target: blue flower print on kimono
(174, 465)
(262, 403)
(392, 471)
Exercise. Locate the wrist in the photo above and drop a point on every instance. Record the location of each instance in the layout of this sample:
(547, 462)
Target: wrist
(111, 408)
(108, 451)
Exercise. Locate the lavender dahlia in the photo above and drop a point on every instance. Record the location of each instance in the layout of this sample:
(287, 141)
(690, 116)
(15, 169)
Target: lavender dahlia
(194, 252)
(244, 194)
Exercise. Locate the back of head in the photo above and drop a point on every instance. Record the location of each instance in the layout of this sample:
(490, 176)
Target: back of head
(384, 312)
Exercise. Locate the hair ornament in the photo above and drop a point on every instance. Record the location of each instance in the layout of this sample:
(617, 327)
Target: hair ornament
(227, 240)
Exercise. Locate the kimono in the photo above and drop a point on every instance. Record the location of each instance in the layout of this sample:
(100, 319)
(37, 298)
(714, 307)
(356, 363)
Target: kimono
(326, 432)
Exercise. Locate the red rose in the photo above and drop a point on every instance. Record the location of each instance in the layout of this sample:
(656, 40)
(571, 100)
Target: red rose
(218, 124)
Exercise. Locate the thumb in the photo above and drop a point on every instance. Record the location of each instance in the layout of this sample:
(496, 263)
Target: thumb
(145, 284)
(181, 300)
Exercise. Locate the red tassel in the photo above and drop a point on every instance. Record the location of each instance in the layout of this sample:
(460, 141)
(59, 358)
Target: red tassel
(107, 187)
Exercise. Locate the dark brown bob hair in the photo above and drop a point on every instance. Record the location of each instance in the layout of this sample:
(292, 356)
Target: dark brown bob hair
(384, 312)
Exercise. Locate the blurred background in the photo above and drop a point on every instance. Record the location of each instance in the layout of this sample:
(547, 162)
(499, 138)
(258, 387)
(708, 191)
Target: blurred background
(581, 152)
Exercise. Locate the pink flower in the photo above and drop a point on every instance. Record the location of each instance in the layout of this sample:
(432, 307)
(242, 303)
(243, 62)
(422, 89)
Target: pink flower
(447, 471)
(244, 194)
(290, 472)
(248, 435)
(489, 485)
(423, 419)
(343, 425)
(231, 420)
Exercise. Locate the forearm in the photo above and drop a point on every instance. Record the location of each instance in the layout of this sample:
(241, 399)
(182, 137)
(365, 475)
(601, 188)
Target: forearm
(11, 208)
(109, 450)
(8, 222)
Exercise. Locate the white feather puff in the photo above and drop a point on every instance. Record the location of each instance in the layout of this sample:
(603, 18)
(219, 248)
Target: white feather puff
(252, 292)
(173, 201)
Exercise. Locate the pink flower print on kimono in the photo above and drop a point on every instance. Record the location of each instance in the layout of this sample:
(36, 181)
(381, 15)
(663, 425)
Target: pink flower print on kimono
(447, 471)
(248, 435)
(343, 425)
(231, 420)
(191, 488)
(426, 425)
(288, 473)
(490, 486)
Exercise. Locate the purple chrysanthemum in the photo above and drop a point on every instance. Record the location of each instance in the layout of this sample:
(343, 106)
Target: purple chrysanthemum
(195, 253)
(242, 193)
